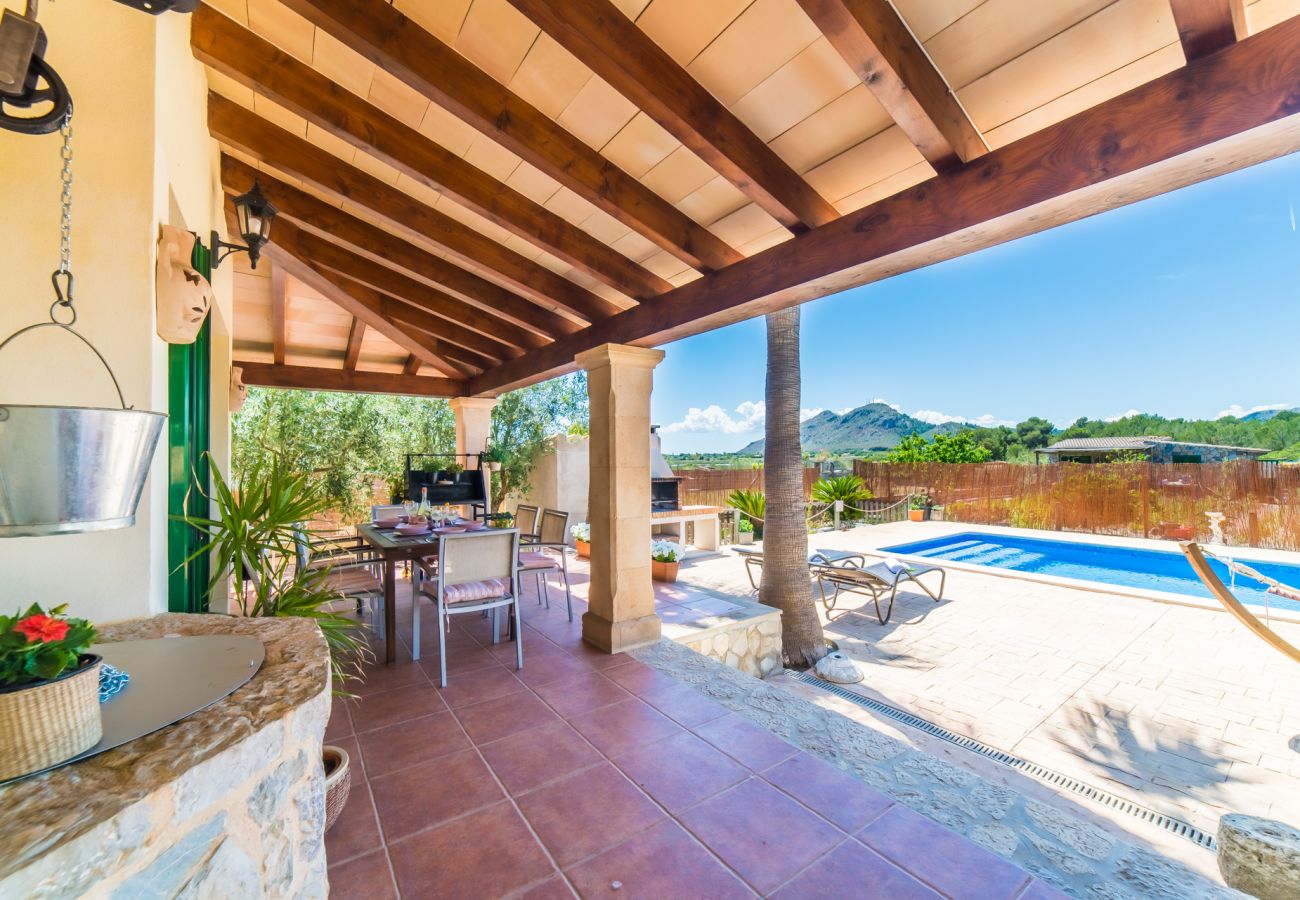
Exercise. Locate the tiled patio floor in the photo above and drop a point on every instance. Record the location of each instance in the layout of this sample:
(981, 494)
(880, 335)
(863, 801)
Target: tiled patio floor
(594, 774)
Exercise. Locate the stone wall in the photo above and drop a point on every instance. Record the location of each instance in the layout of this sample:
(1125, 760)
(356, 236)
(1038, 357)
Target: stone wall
(751, 645)
(228, 802)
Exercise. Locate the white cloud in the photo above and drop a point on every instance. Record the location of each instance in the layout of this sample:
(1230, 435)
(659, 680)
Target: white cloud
(746, 417)
(1123, 415)
(806, 414)
(1237, 410)
(847, 409)
(934, 417)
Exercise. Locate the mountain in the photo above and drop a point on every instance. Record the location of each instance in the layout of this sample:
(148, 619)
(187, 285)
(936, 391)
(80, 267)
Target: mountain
(1265, 414)
(871, 427)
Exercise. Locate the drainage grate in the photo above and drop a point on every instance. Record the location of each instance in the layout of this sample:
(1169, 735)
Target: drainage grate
(1033, 770)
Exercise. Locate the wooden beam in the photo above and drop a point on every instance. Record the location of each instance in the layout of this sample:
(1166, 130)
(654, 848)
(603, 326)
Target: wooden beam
(877, 44)
(464, 325)
(243, 130)
(332, 222)
(1205, 26)
(427, 311)
(279, 301)
(608, 42)
(314, 379)
(379, 32)
(356, 335)
(369, 308)
(1217, 114)
(412, 366)
(240, 54)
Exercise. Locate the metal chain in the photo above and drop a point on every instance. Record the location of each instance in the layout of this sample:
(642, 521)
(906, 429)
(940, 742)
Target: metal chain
(63, 294)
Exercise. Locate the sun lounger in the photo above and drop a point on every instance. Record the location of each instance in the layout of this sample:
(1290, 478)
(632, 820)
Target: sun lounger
(874, 581)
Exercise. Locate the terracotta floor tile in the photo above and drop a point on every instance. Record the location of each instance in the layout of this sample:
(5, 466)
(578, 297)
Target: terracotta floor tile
(682, 770)
(598, 659)
(430, 794)
(624, 727)
(949, 862)
(531, 758)
(851, 870)
(838, 796)
(356, 831)
(684, 705)
(340, 722)
(552, 666)
(745, 742)
(397, 705)
(489, 853)
(492, 720)
(551, 889)
(587, 692)
(761, 833)
(483, 684)
(639, 678)
(379, 677)
(364, 878)
(587, 812)
(662, 862)
(458, 662)
(407, 743)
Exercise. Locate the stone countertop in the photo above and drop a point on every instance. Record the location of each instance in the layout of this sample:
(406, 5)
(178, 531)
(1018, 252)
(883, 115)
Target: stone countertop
(43, 812)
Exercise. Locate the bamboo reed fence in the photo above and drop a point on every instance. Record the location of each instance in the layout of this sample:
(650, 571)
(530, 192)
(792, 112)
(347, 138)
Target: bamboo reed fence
(1260, 501)
(711, 487)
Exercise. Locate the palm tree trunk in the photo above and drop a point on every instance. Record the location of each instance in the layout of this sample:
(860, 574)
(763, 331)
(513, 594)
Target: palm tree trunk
(786, 584)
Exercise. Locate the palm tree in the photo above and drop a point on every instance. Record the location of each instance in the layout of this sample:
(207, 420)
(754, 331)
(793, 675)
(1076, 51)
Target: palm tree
(786, 584)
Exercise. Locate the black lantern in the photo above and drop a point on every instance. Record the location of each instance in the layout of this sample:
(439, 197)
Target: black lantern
(254, 214)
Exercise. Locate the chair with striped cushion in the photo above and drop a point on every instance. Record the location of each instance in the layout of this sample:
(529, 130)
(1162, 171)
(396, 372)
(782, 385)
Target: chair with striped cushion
(477, 571)
(547, 554)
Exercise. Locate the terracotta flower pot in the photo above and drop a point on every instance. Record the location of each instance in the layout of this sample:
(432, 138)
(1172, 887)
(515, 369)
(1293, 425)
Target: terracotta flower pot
(916, 515)
(664, 571)
(44, 723)
(338, 782)
(583, 547)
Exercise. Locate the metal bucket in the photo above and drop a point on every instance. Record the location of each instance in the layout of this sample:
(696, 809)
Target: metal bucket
(68, 469)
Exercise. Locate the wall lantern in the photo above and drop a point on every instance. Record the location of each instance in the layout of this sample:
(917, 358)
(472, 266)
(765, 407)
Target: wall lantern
(254, 214)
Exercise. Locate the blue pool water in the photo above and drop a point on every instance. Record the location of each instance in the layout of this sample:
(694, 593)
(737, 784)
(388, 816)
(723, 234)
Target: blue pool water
(1156, 570)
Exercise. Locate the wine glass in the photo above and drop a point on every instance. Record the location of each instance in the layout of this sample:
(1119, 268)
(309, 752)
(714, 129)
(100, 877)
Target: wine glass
(408, 506)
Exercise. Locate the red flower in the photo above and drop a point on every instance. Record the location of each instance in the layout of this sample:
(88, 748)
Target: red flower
(42, 628)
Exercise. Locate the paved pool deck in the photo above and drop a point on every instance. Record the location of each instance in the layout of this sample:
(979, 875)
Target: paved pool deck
(1176, 707)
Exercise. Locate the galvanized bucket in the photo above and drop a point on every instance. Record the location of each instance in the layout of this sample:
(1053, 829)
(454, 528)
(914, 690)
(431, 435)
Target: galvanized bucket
(68, 469)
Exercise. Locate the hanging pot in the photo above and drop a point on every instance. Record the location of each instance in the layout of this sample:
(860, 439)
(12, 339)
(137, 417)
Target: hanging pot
(68, 469)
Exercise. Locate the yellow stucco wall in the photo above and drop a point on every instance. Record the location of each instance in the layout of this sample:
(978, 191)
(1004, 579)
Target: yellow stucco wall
(142, 156)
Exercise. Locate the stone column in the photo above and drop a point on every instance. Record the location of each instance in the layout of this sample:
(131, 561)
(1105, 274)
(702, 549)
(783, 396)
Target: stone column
(621, 613)
(473, 426)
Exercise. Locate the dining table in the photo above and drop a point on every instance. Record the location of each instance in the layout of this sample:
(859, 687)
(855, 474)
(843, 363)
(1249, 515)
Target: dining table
(393, 547)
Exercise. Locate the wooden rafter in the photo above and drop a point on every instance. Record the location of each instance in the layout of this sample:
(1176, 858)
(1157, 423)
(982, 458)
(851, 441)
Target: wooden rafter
(876, 43)
(356, 335)
(369, 310)
(279, 304)
(1205, 26)
(1233, 108)
(608, 42)
(240, 54)
(417, 304)
(412, 366)
(332, 222)
(379, 32)
(243, 130)
(311, 378)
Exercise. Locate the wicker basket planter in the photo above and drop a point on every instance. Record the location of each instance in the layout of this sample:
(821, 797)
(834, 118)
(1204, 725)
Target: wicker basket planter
(338, 782)
(44, 723)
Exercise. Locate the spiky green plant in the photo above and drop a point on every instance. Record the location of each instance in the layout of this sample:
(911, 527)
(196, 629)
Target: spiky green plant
(849, 488)
(752, 505)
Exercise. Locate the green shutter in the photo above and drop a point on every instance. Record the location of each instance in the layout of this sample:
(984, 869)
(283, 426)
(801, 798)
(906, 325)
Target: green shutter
(189, 407)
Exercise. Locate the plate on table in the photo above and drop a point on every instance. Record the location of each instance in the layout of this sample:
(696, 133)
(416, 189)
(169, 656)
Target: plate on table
(451, 529)
(387, 523)
(475, 526)
(413, 530)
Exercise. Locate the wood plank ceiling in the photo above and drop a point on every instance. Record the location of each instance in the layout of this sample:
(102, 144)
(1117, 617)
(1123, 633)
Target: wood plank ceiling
(472, 191)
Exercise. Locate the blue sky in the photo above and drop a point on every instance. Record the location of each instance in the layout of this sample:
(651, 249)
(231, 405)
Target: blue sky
(1187, 304)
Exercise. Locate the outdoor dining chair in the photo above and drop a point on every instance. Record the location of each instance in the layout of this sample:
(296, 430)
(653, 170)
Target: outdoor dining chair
(351, 572)
(546, 553)
(526, 521)
(478, 571)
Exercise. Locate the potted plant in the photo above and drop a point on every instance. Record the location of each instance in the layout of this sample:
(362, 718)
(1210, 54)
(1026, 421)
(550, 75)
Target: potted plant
(256, 537)
(916, 509)
(492, 458)
(745, 531)
(49, 690)
(582, 539)
(665, 560)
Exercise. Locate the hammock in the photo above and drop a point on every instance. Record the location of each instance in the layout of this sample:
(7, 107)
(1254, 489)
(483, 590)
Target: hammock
(1196, 555)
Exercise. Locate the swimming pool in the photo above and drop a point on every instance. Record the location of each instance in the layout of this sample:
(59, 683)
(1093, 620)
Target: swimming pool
(1155, 570)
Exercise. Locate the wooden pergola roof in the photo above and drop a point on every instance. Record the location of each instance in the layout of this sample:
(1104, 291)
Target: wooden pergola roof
(473, 191)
